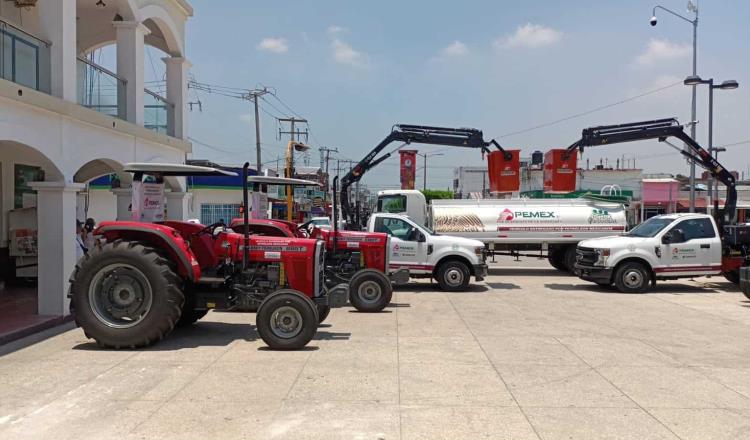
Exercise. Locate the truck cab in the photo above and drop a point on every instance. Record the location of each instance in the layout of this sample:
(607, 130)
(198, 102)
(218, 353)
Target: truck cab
(450, 260)
(664, 247)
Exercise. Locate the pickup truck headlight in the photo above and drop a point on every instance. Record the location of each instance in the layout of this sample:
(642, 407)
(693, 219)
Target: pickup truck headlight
(602, 256)
(480, 252)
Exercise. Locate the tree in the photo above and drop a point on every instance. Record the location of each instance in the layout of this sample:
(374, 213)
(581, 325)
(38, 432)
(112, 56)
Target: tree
(430, 194)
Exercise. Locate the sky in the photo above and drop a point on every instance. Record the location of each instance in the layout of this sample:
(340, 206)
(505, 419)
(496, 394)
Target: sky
(355, 68)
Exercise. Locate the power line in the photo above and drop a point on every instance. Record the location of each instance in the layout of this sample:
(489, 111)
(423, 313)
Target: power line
(587, 112)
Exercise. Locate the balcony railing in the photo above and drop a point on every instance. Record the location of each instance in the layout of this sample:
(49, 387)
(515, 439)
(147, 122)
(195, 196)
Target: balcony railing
(157, 113)
(100, 89)
(24, 58)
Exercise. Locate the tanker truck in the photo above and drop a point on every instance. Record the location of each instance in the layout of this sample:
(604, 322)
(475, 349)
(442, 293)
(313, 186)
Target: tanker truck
(548, 228)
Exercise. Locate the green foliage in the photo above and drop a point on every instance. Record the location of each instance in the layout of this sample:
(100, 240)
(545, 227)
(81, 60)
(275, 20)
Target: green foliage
(430, 194)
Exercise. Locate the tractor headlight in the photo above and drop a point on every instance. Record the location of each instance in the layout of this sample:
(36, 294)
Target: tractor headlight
(602, 255)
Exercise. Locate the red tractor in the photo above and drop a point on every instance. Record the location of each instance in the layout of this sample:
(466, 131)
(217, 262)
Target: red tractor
(359, 259)
(146, 278)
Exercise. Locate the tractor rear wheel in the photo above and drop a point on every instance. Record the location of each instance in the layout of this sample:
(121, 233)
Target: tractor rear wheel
(287, 320)
(370, 291)
(126, 295)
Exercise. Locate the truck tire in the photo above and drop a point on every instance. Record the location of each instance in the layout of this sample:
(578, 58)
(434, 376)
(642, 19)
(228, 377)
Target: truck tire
(126, 295)
(554, 256)
(453, 276)
(189, 315)
(370, 291)
(323, 311)
(632, 277)
(733, 276)
(287, 320)
(569, 258)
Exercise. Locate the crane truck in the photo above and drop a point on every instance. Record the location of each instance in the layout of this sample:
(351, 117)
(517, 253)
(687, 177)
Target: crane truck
(669, 246)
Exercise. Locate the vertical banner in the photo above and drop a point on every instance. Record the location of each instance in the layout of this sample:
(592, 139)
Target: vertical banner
(408, 168)
(259, 205)
(148, 202)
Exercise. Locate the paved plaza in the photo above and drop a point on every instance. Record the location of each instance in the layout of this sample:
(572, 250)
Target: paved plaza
(527, 354)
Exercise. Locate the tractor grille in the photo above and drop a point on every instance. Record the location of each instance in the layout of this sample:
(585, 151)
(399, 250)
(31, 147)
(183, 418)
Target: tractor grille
(318, 268)
(586, 256)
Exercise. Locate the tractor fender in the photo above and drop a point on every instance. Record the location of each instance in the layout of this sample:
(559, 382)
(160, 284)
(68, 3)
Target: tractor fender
(158, 236)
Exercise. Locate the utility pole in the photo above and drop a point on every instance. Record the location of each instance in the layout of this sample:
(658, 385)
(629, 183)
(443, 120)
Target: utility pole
(327, 152)
(253, 95)
(289, 169)
(424, 175)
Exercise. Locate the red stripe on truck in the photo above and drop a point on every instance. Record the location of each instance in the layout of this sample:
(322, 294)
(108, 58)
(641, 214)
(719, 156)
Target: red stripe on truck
(688, 268)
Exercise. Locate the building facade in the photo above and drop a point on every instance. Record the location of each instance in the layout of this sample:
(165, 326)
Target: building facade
(60, 132)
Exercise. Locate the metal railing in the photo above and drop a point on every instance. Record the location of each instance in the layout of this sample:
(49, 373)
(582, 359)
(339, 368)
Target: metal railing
(24, 58)
(100, 89)
(157, 113)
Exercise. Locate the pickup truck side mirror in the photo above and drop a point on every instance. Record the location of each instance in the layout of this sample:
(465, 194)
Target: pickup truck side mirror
(673, 236)
(666, 238)
(420, 237)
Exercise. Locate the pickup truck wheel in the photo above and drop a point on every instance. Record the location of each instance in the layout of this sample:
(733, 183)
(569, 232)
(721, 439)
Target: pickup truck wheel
(453, 276)
(632, 278)
(126, 295)
(370, 291)
(554, 256)
(733, 276)
(287, 320)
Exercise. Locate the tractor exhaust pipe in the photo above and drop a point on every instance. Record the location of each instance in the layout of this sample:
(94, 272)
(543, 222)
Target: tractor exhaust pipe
(335, 215)
(245, 218)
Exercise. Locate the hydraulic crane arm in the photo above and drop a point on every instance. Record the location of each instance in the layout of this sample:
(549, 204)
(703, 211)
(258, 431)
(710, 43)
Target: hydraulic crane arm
(662, 129)
(418, 134)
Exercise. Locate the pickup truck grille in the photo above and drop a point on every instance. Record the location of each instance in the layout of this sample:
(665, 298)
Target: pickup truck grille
(586, 256)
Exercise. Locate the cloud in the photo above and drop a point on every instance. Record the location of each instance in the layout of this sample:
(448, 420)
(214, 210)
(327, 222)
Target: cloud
(275, 45)
(530, 35)
(455, 49)
(662, 50)
(345, 54)
(333, 30)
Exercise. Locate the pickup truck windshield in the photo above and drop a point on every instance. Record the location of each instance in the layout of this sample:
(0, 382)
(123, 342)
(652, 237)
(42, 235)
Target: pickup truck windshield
(392, 204)
(650, 227)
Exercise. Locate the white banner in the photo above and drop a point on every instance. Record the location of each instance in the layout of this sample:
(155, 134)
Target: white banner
(260, 205)
(148, 202)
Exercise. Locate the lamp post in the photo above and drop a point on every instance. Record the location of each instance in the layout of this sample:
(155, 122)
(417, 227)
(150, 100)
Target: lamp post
(692, 7)
(424, 176)
(730, 84)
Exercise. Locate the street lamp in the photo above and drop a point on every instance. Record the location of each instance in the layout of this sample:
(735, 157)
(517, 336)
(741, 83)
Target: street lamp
(694, 9)
(694, 80)
(424, 176)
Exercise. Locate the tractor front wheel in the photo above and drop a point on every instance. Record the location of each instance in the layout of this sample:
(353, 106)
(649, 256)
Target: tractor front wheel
(287, 320)
(370, 291)
(126, 295)
(323, 311)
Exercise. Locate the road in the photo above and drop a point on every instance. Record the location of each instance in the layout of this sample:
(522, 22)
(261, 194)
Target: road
(527, 354)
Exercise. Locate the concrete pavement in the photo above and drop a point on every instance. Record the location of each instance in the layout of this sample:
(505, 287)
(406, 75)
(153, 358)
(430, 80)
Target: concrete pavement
(528, 354)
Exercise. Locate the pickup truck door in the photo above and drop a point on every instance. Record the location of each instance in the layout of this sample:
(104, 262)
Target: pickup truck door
(406, 251)
(697, 252)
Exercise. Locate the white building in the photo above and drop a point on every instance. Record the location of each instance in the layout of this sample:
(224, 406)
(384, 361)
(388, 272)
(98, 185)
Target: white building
(58, 132)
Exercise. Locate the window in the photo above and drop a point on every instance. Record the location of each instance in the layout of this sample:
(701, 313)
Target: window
(395, 227)
(650, 227)
(696, 228)
(392, 204)
(214, 212)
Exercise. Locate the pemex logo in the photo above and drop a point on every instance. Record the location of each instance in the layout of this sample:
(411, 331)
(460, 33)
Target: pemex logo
(506, 216)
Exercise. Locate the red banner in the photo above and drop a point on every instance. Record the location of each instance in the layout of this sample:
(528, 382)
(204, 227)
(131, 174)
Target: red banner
(408, 168)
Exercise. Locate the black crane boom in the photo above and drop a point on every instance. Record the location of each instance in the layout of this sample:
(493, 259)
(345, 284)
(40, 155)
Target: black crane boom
(408, 134)
(662, 129)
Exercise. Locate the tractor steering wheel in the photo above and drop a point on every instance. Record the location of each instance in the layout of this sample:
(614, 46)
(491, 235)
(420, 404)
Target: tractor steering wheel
(210, 229)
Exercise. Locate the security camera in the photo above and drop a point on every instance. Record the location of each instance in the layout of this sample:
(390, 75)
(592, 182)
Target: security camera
(653, 21)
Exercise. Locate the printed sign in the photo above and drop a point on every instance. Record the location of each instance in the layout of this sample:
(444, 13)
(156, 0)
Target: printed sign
(408, 168)
(148, 202)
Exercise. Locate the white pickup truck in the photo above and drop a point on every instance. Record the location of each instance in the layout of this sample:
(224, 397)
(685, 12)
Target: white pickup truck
(450, 260)
(664, 247)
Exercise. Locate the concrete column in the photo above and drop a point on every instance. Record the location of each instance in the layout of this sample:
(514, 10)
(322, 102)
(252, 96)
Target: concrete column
(56, 216)
(177, 93)
(130, 50)
(124, 199)
(178, 205)
(57, 19)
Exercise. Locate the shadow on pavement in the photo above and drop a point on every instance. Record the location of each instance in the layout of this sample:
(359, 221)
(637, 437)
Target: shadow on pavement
(675, 289)
(432, 288)
(527, 272)
(504, 286)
